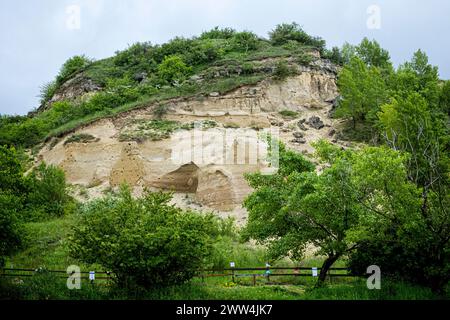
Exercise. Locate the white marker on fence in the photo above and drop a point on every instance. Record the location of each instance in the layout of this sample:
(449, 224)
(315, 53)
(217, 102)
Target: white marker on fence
(92, 275)
(314, 271)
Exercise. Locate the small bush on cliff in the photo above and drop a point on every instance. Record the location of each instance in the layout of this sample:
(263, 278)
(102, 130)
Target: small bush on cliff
(145, 242)
(72, 66)
(282, 70)
(173, 69)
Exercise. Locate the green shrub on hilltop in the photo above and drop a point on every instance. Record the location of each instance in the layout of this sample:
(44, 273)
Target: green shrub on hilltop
(244, 41)
(217, 33)
(285, 32)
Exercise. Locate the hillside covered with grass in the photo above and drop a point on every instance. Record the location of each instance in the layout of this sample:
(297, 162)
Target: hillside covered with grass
(217, 61)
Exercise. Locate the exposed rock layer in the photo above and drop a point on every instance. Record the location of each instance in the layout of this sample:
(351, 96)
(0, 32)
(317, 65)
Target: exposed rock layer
(212, 172)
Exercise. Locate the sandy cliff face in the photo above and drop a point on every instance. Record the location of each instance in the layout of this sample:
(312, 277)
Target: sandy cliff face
(204, 167)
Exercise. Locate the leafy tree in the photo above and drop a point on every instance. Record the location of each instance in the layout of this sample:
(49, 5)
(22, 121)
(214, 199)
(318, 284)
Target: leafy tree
(244, 41)
(145, 241)
(373, 55)
(334, 55)
(12, 187)
(348, 51)
(296, 207)
(47, 196)
(11, 171)
(408, 125)
(11, 233)
(444, 98)
(407, 228)
(418, 76)
(173, 69)
(363, 91)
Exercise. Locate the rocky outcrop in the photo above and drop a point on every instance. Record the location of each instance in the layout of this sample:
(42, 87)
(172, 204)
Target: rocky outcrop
(75, 88)
(207, 165)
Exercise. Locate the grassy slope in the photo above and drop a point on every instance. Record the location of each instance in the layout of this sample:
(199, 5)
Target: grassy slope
(99, 69)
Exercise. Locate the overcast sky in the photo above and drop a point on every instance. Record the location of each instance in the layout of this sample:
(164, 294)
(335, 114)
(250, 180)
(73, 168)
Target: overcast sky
(36, 37)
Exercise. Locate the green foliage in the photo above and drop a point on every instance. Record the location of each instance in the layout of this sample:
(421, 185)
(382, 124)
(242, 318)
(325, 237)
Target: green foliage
(304, 58)
(172, 69)
(11, 233)
(47, 91)
(153, 130)
(244, 41)
(11, 171)
(248, 68)
(217, 33)
(335, 55)
(71, 67)
(295, 207)
(363, 200)
(363, 91)
(144, 73)
(80, 138)
(418, 76)
(444, 98)
(282, 70)
(138, 54)
(160, 111)
(409, 125)
(373, 55)
(288, 113)
(48, 196)
(145, 242)
(12, 187)
(293, 32)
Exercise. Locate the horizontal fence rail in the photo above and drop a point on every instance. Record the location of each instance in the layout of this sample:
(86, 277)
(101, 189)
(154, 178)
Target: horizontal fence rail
(233, 273)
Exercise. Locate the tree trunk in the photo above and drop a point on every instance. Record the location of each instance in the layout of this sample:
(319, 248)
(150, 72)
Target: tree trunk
(325, 267)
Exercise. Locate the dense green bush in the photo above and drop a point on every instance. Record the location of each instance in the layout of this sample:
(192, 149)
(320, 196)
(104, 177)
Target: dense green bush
(217, 33)
(244, 41)
(285, 32)
(282, 70)
(12, 188)
(444, 98)
(335, 55)
(145, 241)
(72, 66)
(172, 69)
(11, 233)
(47, 193)
(11, 171)
(134, 55)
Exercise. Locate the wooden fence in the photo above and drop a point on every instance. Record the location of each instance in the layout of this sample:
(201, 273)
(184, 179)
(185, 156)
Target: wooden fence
(233, 273)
